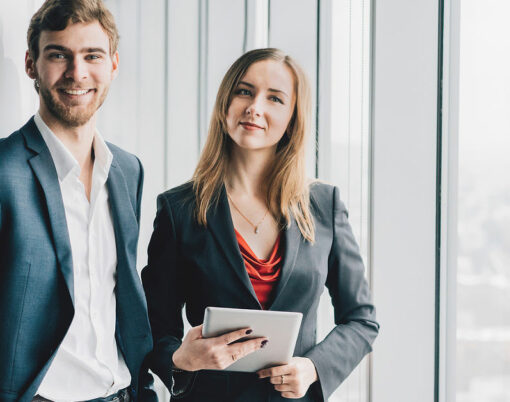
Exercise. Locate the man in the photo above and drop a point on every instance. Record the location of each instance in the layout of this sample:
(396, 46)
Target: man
(73, 316)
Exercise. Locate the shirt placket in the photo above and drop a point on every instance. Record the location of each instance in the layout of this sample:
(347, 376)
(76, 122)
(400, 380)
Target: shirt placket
(97, 194)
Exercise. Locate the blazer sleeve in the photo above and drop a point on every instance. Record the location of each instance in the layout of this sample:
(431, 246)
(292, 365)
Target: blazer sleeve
(356, 327)
(139, 191)
(164, 290)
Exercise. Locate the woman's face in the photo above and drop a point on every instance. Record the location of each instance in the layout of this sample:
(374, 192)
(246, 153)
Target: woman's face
(261, 105)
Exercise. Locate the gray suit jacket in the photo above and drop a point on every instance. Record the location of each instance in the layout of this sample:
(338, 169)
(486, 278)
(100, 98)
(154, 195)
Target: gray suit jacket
(36, 269)
(198, 267)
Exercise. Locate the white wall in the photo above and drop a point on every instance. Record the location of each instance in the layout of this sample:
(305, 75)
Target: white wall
(18, 98)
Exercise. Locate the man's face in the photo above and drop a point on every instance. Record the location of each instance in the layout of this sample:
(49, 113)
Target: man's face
(74, 71)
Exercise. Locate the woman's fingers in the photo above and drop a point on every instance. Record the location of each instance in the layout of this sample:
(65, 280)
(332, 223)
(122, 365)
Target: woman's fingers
(290, 395)
(274, 371)
(281, 379)
(292, 380)
(283, 388)
(197, 352)
(233, 336)
(244, 348)
(223, 355)
(196, 332)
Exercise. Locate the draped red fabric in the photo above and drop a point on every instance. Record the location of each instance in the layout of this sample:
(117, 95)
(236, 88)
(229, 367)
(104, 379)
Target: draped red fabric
(263, 274)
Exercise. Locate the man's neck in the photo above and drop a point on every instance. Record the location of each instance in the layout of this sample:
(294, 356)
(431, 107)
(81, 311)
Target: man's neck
(78, 140)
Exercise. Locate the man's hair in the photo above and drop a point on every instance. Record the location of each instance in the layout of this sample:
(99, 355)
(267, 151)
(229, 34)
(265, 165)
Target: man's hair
(55, 15)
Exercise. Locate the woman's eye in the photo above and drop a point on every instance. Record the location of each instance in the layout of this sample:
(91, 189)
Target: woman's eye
(244, 91)
(276, 99)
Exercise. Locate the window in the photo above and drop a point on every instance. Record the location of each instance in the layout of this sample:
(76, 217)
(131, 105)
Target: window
(483, 253)
(344, 149)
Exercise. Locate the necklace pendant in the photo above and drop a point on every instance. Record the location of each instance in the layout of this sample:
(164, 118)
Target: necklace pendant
(256, 230)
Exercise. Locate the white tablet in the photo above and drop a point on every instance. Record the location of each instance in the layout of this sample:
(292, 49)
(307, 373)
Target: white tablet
(280, 327)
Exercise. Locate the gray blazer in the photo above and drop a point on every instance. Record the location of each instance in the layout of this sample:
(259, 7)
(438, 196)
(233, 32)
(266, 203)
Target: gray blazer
(36, 269)
(194, 266)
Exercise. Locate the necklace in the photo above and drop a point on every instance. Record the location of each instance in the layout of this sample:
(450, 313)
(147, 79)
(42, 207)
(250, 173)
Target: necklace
(255, 227)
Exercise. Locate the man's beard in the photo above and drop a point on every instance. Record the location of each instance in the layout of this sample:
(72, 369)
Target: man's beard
(68, 115)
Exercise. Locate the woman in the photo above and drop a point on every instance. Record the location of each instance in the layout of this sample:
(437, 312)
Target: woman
(249, 231)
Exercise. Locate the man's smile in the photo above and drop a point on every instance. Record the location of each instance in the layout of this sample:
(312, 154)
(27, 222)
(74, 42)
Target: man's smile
(76, 91)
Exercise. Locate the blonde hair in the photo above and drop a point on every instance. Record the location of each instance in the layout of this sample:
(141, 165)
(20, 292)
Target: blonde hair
(287, 188)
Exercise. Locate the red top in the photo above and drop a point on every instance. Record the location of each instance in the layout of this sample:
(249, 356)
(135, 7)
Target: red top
(263, 274)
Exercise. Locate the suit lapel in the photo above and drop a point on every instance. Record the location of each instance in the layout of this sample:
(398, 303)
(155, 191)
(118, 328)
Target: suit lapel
(127, 288)
(124, 219)
(44, 169)
(125, 226)
(219, 222)
(292, 237)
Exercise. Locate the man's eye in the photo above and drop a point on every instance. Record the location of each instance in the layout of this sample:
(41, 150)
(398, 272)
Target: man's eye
(57, 56)
(93, 57)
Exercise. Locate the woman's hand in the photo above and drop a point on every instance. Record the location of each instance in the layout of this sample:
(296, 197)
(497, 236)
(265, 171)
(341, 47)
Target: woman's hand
(199, 353)
(293, 379)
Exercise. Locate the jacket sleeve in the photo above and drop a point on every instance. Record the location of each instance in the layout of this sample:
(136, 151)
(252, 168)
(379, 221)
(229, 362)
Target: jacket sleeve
(356, 328)
(164, 289)
(139, 192)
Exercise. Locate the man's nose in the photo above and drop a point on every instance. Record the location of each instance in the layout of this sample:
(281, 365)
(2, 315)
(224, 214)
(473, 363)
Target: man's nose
(76, 69)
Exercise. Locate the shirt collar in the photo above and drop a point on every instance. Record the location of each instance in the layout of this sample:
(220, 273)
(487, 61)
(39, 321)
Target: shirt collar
(102, 154)
(64, 160)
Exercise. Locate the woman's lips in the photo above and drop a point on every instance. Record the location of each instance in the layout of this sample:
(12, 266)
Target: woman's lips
(251, 126)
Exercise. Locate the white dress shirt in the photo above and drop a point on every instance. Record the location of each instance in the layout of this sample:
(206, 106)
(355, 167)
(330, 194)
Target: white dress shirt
(88, 363)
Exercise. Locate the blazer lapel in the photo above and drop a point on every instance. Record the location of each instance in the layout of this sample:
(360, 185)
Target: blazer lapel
(124, 219)
(44, 169)
(128, 290)
(219, 222)
(292, 237)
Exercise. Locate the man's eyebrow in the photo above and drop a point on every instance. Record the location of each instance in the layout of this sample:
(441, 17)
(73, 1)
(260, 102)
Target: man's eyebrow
(65, 49)
(270, 89)
(56, 47)
(94, 50)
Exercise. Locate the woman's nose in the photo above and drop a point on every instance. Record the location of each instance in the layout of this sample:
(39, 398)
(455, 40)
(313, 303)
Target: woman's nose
(254, 108)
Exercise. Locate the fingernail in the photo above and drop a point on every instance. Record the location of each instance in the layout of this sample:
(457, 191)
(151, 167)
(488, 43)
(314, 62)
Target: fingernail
(249, 331)
(264, 343)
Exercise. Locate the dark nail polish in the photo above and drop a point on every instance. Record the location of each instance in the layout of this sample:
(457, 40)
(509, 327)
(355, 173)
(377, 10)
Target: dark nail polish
(249, 331)
(264, 343)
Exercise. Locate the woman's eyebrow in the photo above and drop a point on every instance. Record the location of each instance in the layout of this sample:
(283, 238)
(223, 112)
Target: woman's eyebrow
(278, 91)
(270, 89)
(247, 84)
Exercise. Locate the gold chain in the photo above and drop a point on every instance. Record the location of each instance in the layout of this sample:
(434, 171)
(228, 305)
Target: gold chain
(255, 227)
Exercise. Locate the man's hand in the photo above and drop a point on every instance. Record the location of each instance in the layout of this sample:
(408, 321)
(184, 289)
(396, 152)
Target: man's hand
(293, 379)
(199, 353)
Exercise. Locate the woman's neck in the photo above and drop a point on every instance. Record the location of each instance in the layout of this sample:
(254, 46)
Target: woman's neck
(247, 172)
